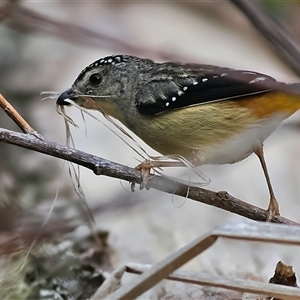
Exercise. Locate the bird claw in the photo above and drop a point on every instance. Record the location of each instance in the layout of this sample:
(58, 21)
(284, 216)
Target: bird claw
(145, 168)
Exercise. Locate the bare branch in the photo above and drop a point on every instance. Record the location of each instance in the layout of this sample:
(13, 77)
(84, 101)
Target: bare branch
(273, 31)
(259, 232)
(101, 166)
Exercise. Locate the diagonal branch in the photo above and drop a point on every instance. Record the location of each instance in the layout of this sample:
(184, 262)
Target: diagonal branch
(273, 31)
(101, 166)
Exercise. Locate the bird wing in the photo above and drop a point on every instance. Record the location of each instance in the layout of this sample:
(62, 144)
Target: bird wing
(179, 91)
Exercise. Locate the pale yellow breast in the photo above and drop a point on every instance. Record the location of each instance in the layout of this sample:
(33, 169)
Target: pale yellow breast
(195, 128)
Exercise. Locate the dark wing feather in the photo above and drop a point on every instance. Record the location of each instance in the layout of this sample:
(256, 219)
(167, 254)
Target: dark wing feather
(203, 89)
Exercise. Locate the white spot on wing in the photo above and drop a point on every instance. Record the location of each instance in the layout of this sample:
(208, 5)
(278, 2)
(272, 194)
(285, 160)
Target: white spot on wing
(258, 79)
(173, 98)
(204, 79)
(167, 104)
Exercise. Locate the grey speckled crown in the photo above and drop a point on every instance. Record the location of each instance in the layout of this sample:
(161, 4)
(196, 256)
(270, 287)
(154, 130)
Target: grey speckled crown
(100, 62)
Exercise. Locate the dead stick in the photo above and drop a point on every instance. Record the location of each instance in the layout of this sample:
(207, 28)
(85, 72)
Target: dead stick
(15, 116)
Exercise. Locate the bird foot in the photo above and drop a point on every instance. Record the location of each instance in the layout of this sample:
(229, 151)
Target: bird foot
(273, 209)
(145, 168)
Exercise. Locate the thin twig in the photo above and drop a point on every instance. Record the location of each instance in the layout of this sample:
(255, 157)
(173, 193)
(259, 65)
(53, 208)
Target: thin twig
(6, 10)
(24, 19)
(15, 116)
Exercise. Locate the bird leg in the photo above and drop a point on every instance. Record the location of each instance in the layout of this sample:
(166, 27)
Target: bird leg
(273, 209)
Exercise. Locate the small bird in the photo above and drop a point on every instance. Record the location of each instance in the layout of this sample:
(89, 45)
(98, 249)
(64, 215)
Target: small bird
(206, 114)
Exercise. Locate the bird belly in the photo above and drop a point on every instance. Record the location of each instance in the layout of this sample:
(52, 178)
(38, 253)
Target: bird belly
(241, 145)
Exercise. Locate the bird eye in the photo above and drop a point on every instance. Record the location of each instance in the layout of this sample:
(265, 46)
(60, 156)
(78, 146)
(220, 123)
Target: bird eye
(95, 79)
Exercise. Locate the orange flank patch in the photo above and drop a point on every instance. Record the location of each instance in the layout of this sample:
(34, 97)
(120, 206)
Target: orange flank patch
(271, 103)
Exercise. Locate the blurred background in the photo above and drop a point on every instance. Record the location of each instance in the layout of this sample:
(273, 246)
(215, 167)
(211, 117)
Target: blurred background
(43, 47)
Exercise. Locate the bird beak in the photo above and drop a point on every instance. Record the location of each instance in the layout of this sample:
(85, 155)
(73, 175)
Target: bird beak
(68, 94)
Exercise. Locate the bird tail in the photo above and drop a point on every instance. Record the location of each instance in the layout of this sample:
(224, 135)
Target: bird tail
(292, 88)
